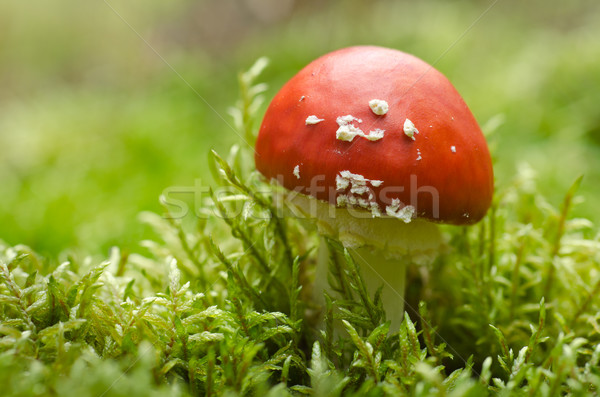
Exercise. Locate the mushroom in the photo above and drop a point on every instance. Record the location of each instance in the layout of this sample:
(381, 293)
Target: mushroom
(380, 198)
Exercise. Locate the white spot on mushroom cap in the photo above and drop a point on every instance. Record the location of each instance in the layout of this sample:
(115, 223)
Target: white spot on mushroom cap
(379, 106)
(405, 213)
(375, 211)
(419, 155)
(301, 98)
(359, 187)
(347, 119)
(347, 178)
(341, 183)
(363, 203)
(342, 200)
(297, 171)
(310, 120)
(409, 129)
(453, 149)
(347, 131)
(375, 135)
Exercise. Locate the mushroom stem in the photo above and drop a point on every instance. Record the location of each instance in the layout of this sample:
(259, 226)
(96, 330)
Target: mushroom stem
(376, 271)
(382, 247)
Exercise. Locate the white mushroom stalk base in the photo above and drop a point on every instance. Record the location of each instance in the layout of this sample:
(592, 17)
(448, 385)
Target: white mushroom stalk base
(382, 246)
(376, 270)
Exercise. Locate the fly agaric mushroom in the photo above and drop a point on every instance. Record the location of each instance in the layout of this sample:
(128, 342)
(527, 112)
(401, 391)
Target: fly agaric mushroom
(378, 147)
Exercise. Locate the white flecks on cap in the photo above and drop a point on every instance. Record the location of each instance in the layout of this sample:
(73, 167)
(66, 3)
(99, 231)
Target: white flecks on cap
(363, 203)
(357, 182)
(405, 213)
(297, 171)
(375, 211)
(310, 120)
(409, 129)
(359, 189)
(360, 193)
(342, 200)
(453, 149)
(379, 106)
(347, 131)
(357, 179)
(347, 119)
(341, 183)
(419, 155)
(301, 98)
(375, 135)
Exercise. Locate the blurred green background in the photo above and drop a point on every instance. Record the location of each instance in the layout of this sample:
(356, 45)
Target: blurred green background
(94, 124)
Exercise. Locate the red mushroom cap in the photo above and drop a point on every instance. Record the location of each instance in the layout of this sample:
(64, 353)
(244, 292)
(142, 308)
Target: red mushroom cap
(445, 172)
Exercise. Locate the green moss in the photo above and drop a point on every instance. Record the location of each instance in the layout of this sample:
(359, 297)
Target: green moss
(222, 308)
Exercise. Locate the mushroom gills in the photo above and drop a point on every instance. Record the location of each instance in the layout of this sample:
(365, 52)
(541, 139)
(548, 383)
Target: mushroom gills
(418, 242)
